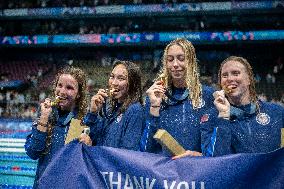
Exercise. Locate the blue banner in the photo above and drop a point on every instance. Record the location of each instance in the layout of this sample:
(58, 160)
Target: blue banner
(142, 38)
(24, 40)
(15, 128)
(81, 166)
(11, 84)
(141, 9)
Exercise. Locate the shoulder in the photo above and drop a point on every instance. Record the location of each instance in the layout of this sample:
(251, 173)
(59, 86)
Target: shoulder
(135, 107)
(268, 106)
(147, 100)
(207, 96)
(207, 90)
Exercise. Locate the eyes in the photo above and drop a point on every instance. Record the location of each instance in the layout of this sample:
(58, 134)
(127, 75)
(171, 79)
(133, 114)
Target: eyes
(68, 87)
(179, 57)
(119, 77)
(233, 73)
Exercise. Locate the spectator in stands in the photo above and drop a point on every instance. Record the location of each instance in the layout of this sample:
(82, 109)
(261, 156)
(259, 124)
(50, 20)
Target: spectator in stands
(42, 96)
(270, 78)
(1, 111)
(262, 97)
(282, 98)
(27, 112)
(176, 100)
(51, 127)
(116, 115)
(240, 123)
(2, 98)
(90, 85)
(257, 78)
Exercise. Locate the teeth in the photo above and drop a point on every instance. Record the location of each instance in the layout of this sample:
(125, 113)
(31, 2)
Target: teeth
(61, 98)
(111, 91)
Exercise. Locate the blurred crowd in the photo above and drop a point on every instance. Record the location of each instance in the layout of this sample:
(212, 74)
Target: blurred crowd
(138, 25)
(12, 4)
(24, 103)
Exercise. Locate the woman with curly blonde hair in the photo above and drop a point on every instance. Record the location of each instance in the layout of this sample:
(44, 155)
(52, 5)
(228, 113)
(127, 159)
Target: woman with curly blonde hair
(177, 100)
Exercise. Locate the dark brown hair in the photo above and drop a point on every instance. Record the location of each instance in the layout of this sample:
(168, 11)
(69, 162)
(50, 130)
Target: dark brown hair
(134, 93)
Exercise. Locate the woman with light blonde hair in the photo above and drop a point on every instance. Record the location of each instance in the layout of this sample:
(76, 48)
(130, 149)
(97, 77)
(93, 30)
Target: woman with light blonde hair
(176, 101)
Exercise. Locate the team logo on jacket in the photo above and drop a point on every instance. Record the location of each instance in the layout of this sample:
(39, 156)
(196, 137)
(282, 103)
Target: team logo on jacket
(262, 118)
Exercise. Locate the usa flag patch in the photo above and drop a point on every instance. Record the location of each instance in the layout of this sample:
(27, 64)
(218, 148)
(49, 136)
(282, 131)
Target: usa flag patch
(204, 118)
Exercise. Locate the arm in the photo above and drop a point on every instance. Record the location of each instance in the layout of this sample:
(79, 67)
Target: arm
(222, 104)
(147, 143)
(95, 124)
(35, 143)
(215, 135)
(155, 96)
(133, 127)
(91, 119)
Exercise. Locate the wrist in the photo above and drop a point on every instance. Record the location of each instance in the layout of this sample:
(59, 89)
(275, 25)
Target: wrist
(41, 123)
(155, 111)
(93, 110)
(41, 126)
(224, 115)
(157, 106)
(43, 120)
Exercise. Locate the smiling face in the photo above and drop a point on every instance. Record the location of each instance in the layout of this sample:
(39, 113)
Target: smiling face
(176, 64)
(67, 91)
(118, 81)
(234, 76)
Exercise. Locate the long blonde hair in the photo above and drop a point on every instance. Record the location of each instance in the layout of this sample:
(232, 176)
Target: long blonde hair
(192, 72)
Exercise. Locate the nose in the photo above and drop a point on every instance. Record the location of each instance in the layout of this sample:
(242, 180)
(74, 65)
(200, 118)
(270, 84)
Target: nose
(175, 64)
(62, 91)
(230, 77)
(114, 81)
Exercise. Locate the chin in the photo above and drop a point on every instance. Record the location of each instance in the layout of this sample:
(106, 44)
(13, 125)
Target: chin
(63, 106)
(176, 76)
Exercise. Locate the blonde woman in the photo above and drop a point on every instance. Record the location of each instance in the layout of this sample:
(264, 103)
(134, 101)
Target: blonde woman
(177, 100)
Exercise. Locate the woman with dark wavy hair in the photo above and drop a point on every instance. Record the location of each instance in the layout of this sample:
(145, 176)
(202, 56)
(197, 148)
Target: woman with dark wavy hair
(50, 129)
(116, 114)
